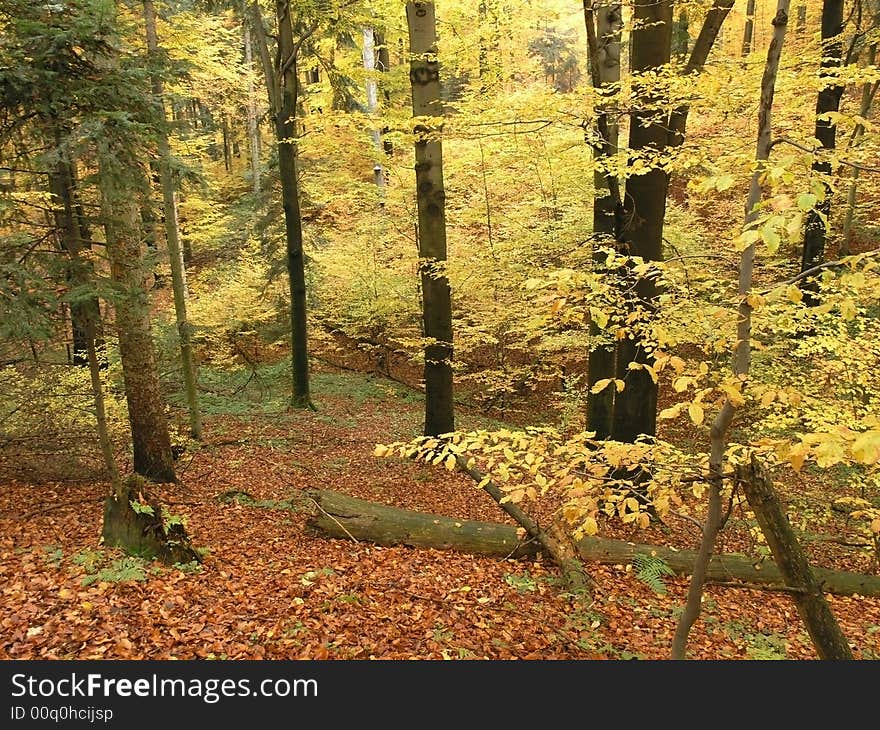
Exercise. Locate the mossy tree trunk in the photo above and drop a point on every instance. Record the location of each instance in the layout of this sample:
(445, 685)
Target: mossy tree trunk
(825, 633)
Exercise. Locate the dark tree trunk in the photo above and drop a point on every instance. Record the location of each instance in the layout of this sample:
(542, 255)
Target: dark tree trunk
(603, 40)
(635, 407)
(824, 631)
(431, 196)
(287, 91)
(828, 100)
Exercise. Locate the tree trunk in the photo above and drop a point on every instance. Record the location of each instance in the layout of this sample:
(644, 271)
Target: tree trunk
(287, 92)
(869, 90)
(436, 296)
(338, 515)
(828, 100)
(749, 28)
(742, 352)
(252, 125)
(368, 54)
(824, 631)
(68, 221)
(383, 65)
(146, 407)
(603, 39)
(144, 533)
(635, 407)
(172, 236)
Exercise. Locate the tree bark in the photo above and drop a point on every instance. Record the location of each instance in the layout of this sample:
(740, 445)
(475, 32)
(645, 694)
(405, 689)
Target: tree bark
(146, 407)
(824, 631)
(172, 236)
(828, 100)
(431, 196)
(337, 515)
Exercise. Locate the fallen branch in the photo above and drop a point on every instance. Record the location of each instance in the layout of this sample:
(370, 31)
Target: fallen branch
(388, 526)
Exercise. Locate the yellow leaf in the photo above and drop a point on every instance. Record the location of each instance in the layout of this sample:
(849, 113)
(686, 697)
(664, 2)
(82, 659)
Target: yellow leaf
(695, 411)
(768, 397)
(619, 384)
(794, 293)
(736, 398)
(590, 526)
(875, 525)
(848, 309)
(381, 450)
(755, 301)
(450, 462)
(680, 385)
(669, 413)
(600, 385)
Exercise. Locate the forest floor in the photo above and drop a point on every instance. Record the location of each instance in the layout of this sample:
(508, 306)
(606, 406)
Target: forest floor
(269, 589)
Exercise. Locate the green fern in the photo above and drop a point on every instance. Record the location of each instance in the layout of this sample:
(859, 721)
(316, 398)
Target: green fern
(650, 570)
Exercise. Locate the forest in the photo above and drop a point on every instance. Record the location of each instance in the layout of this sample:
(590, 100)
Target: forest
(466, 330)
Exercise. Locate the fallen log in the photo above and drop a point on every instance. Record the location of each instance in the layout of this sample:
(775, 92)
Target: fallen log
(337, 515)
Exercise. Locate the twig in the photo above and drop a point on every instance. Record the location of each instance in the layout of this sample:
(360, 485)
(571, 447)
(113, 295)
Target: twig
(814, 269)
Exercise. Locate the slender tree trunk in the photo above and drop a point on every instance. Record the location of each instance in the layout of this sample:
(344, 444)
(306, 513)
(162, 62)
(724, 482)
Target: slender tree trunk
(383, 65)
(172, 236)
(100, 411)
(635, 407)
(62, 186)
(287, 90)
(749, 28)
(253, 127)
(436, 294)
(372, 89)
(828, 100)
(869, 90)
(743, 353)
(146, 407)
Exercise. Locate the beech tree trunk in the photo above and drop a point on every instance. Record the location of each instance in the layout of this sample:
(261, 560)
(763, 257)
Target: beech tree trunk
(603, 40)
(828, 100)
(824, 631)
(337, 515)
(431, 196)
